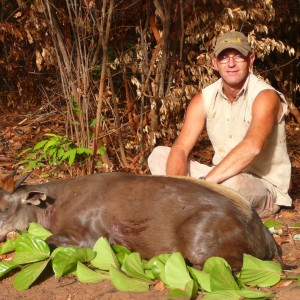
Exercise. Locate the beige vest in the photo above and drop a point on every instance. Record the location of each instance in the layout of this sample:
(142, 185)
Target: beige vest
(227, 124)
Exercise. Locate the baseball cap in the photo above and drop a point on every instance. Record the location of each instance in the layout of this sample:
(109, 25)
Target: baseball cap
(233, 39)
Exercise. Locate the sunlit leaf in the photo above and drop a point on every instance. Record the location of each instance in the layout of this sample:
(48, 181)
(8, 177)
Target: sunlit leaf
(174, 294)
(25, 278)
(61, 261)
(105, 255)
(221, 277)
(133, 266)
(30, 249)
(201, 277)
(65, 261)
(39, 231)
(272, 223)
(125, 283)
(176, 272)
(157, 268)
(258, 272)
(6, 267)
(85, 274)
(9, 246)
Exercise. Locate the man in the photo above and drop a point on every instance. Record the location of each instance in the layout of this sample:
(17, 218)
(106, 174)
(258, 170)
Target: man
(244, 118)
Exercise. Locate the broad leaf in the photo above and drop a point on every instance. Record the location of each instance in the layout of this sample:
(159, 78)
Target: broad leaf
(157, 269)
(85, 274)
(191, 288)
(223, 295)
(105, 255)
(39, 231)
(24, 279)
(125, 283)
(237, 295)
(221, 277)
(178, 294)
(251, 294)
(133, 266)
(65, 261)
(201, 277)
(6, 267)
(258, 272)
(61, 261)
(120, 249)
(176, 272)
(30, 249)
(272, 223)
(9, 246)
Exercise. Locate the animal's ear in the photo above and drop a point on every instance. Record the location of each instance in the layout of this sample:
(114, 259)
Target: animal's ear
(34, 197)
(7, 183)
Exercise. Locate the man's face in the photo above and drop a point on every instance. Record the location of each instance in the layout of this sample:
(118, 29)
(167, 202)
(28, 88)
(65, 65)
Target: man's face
(233, 67)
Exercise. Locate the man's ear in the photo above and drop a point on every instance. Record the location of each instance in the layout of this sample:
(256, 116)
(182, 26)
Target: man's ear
(215, 64)
(251, 59)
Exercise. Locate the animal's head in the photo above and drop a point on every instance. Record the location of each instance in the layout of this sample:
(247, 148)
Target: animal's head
(15, 212)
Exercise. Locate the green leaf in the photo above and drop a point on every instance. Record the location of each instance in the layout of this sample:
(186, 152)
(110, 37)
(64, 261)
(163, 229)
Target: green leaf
(132, 265)
(85, 274)
(176, 272)
(23, 152)
(178, 294)
(65, 260)
(84, 151)
(237, 295)
(9, 246)
(6, 267)
(157, 268)
(40, 145)
(105, 255)
(121, 252)
(224, 295)
(272, 223)
(221, 277)
(72, 156)
(49, 144)
(258, 272)
(39, 231)
(191, 288)
(30, 249)
(52, 135)
(201, 277)
(24, 279)
(125, 283)
(253, 294)
(297, 225)
(102, 151)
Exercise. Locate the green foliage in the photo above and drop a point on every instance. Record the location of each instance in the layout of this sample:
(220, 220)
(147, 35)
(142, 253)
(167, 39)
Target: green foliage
(128, 272)
(54, 151)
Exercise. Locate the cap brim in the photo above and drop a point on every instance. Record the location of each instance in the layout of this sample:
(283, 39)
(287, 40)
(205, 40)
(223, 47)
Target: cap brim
(242, 50)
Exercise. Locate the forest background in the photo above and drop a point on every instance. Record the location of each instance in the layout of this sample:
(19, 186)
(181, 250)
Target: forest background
(111, 79)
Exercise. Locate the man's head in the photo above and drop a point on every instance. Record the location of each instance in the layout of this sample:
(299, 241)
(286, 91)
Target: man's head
(233, 58)
(232, 40)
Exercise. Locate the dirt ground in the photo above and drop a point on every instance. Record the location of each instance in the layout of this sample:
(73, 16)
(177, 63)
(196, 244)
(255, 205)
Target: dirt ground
(16, 137)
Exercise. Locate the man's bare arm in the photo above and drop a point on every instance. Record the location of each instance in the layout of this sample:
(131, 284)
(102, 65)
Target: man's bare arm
(193, 126)
(266, 111)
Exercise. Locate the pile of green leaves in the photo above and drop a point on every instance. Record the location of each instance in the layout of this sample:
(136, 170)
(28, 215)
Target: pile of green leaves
(129, 272)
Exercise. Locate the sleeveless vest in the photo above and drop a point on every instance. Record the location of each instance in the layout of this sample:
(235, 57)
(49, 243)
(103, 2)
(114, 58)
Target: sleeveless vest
(227, 124)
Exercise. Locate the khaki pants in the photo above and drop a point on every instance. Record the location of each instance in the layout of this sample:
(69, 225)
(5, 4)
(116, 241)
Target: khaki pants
(251, 187)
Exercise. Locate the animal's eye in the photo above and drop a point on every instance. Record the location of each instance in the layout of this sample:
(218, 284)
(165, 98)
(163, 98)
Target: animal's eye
(3, 210)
